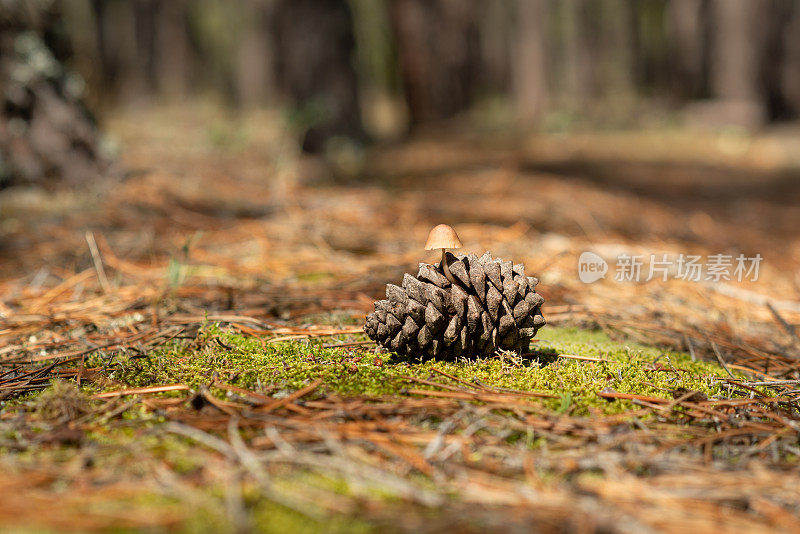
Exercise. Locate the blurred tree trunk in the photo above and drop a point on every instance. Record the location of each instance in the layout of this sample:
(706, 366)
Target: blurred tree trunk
(119, 49)
(497, 43)
(737, 51)
(255, 56)
(314, 56)
(734, 73)
(686, 26)
(780, 57)
(649, 40)
(173, 55)
(790, 66)
(582, 46)
(46, 134)
(530, 81)
(143, 48)
(617, 59)
(437, 42)
(145, 15)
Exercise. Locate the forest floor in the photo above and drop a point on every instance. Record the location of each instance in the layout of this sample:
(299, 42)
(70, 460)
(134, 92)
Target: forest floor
(181, 348)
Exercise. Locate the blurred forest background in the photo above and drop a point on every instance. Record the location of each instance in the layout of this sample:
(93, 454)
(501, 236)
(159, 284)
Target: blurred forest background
(368, 70)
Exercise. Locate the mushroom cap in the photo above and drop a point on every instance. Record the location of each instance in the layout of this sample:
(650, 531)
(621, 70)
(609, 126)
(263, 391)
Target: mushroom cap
(442, 236)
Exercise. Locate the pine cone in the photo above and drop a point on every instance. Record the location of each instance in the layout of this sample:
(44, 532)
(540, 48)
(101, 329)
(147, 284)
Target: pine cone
(493, 306)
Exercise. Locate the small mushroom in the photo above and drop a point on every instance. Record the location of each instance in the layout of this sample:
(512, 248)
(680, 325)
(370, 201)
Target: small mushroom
(444, 237)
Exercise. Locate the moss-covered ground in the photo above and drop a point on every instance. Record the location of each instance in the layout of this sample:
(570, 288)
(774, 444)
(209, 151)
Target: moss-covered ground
(133, 447)
(551, 368)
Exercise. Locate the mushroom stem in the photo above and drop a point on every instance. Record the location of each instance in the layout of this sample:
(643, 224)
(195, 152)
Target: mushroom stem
(446, 269)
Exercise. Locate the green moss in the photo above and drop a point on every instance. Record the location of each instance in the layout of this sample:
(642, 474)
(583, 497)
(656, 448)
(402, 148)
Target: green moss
(268, 517)
(281, 367)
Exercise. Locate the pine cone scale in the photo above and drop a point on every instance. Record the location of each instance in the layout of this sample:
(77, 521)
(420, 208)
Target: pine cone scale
(493, 275)
(434, 318)
(459, 270)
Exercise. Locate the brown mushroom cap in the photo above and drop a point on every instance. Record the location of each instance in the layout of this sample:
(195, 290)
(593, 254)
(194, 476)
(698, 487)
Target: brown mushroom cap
(442, 236)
